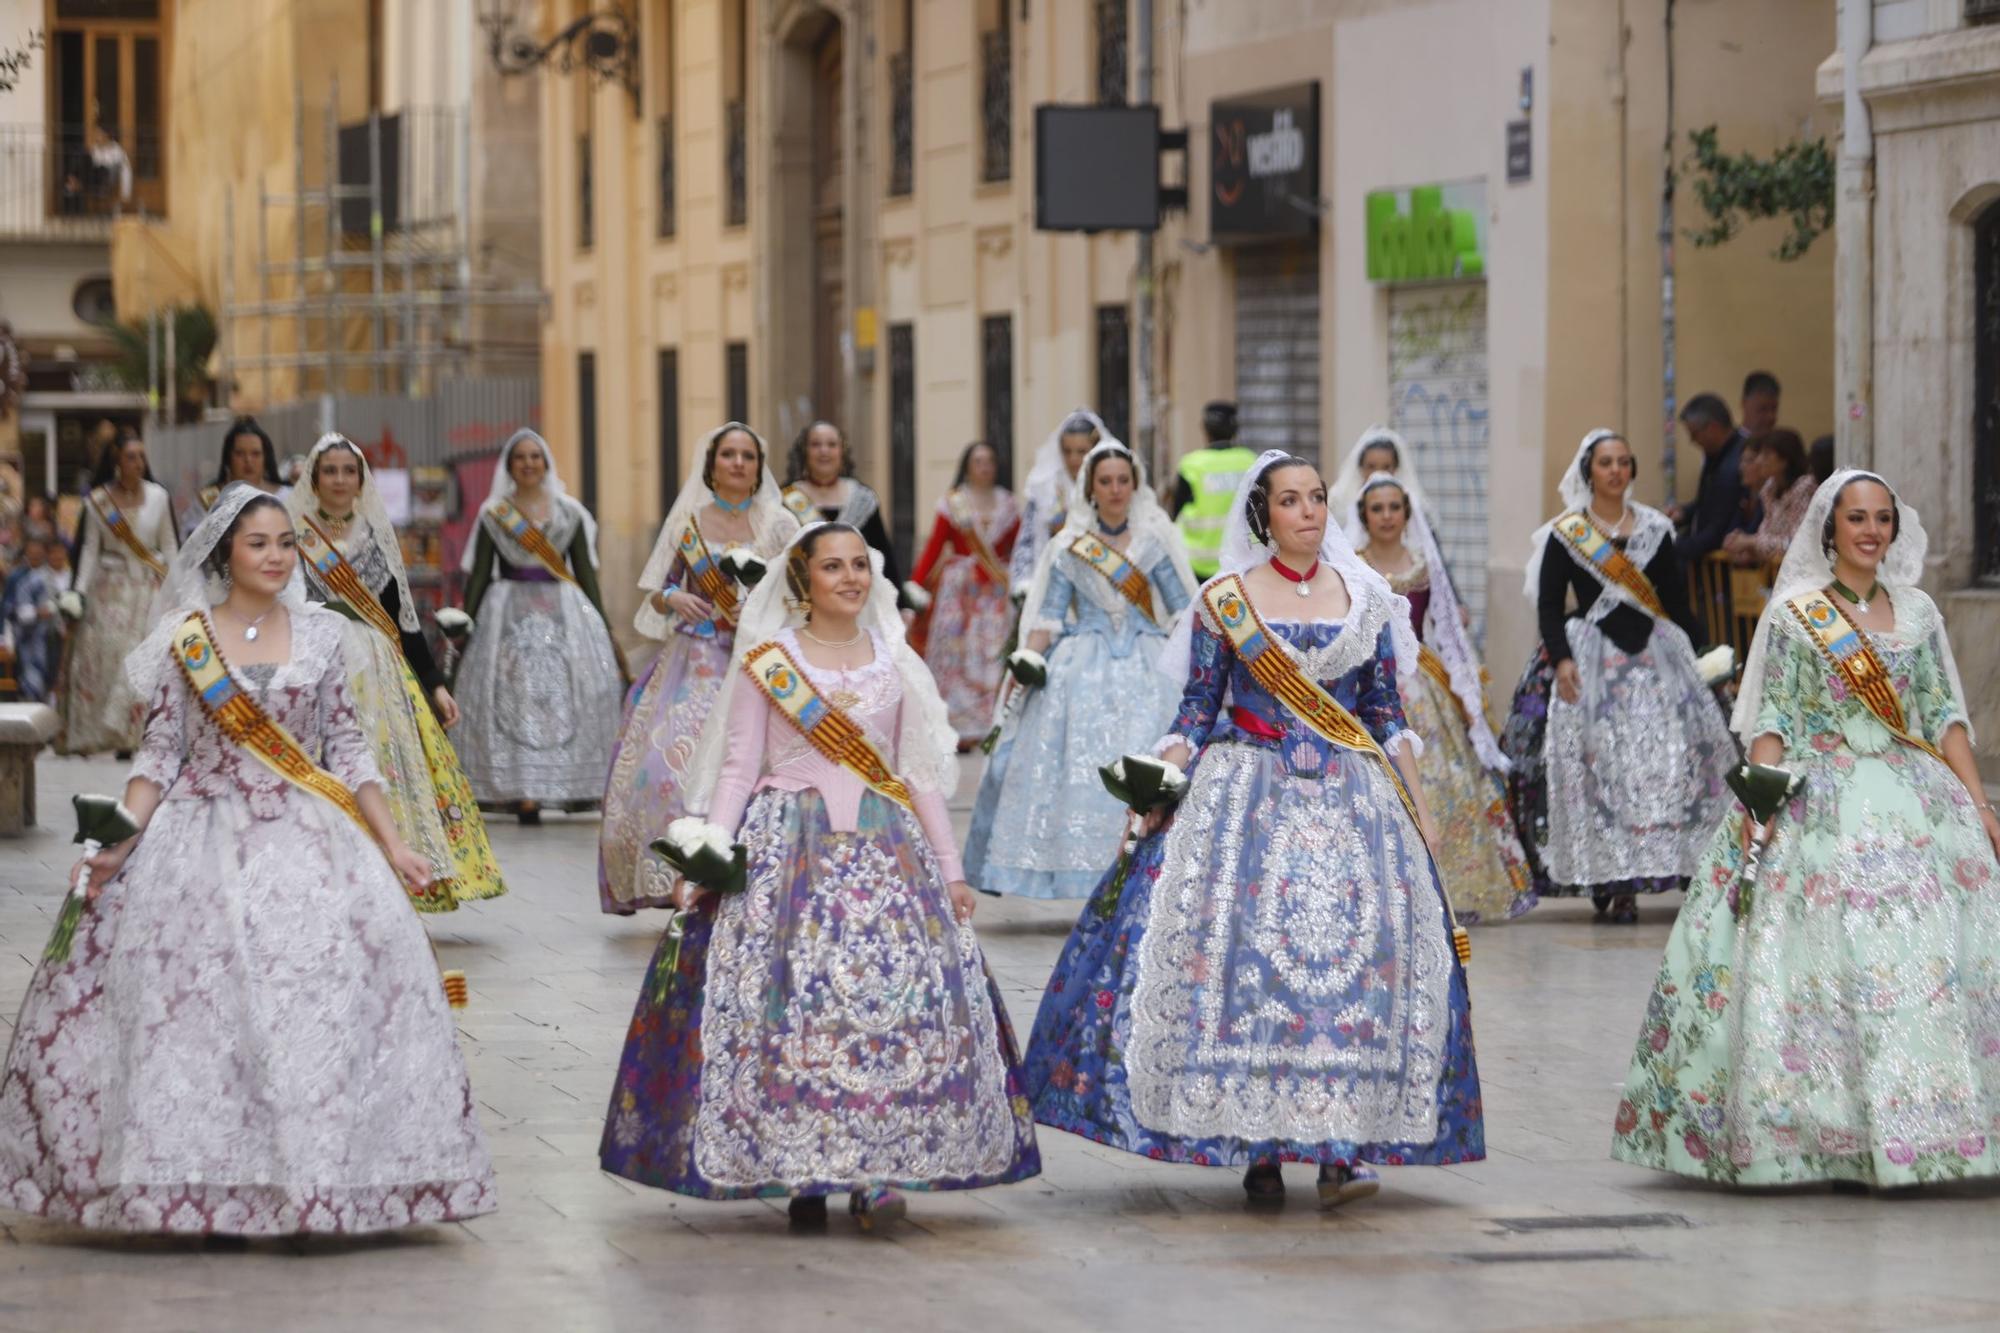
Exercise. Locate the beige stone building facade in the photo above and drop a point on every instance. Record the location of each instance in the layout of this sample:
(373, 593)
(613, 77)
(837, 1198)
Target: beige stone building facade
(1921, 346)
(828, 209)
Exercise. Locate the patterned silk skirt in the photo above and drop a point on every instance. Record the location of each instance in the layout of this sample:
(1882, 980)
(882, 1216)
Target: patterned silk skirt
(1481, 862)
(1053, 828)
(425, 788)
(1270, 978)
(649, 768)
(95, 709)
(830, 1028)
(540, 694)
(969, 623)
(1845, 1025)
(248, 1038)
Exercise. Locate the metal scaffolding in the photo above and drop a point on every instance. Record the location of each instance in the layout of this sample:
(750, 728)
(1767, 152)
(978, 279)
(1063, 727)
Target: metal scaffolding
(400, 283)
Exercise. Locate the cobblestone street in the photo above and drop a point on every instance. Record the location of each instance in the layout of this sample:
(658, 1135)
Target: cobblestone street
(1547, 1233)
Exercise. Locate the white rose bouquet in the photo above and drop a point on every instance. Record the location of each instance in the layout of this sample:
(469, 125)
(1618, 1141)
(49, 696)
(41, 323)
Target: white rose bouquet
(101, 821)
(454, 622)
(1716, 665)
(703, 854)
(70, 604)
(917, 595)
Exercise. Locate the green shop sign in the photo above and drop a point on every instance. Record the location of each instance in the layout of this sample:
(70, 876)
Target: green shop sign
(1428, 233)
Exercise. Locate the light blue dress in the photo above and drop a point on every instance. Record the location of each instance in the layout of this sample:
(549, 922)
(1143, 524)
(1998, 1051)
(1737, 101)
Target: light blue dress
(1044, 827)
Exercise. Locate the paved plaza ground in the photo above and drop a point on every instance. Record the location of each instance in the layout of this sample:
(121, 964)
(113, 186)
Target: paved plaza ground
(1547, 1233)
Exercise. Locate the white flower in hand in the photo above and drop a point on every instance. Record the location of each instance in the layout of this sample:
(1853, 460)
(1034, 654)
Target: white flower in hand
(454, 622)
(1028, 667)
(70, 604)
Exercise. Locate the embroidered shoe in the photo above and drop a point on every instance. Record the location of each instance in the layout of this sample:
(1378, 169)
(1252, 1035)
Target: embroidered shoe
(875, 1209)
(1346, 1184)
(1264, 1183)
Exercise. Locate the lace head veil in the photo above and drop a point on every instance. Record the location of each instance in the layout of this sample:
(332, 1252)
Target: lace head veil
(1574, 488)
(1146, 521)
(375, 528)
(191, 585)
(926, 742)
(1243, 552)
(1047, 483)
(1808, 565)
(770, 522)
(503, 489)
(1444, 631)
(1343, 489)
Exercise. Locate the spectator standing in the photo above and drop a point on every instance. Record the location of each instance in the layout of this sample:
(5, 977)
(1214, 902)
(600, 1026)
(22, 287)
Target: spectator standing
(1760, 403)
(1775, 470)
(1205, 485)
(1718, 500)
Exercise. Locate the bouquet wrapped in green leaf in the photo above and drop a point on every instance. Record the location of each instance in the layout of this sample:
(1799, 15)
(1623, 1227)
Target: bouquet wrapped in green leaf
(70, 604)
(1763, 789)
(452, 622)
(101, 821)
(1716, 665)
(744, 565)
(702, 854)
(1028, 668)
(1143, 784)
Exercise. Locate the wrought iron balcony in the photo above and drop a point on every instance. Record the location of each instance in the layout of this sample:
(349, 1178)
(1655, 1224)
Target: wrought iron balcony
(736, 163)
(663, 139)
(996, 96)
(902, 126)
(55, 186)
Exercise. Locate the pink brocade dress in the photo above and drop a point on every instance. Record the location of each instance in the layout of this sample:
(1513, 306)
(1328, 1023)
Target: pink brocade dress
(249, 1036)
(832, 1027)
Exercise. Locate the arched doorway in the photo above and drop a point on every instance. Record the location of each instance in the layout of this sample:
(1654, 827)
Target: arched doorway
(808, 232)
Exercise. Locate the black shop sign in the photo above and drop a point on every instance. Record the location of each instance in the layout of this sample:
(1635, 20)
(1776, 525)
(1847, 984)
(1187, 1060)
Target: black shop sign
(1263, 159)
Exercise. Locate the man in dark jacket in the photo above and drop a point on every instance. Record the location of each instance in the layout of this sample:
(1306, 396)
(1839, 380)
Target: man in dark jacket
(1718, 500)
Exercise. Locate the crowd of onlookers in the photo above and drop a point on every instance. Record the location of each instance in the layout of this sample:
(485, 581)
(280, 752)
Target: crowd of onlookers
(1757, 478)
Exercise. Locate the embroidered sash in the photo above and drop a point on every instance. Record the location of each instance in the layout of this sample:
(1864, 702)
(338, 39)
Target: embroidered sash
(1599, 554)
(100, 500)
(800, 504)
(967, 522)
(207, 496)
(707, 576)
(1847, 649)
(531, 538)
(337, 575)
(1434, 667)
(1119, 572)
(825, 727)
(247, 725)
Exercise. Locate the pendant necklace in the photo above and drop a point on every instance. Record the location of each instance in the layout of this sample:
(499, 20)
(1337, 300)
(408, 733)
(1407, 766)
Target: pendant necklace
(1624, 512)
(1860, 602)
(1303, 581)
(842, 697)
(250, 626)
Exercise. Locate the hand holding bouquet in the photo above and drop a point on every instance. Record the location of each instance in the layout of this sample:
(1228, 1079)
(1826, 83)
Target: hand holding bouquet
(1716, 665)
(454, 623)
(101, 822)
(1028, 668)
(1763, 789)
(70, 604)
(702, 854)
(1144, 784)
(917, 595)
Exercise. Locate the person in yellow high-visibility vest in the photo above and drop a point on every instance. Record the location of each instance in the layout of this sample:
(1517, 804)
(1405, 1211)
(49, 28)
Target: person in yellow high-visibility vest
(1206, 484)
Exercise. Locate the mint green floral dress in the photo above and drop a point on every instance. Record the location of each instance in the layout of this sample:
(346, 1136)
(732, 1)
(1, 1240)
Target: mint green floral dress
(1848, 1026)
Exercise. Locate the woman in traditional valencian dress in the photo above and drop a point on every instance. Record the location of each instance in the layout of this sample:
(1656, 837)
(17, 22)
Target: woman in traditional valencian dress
(963, 573)
(729, 502)
(1464, 773)
(1271, 976)
(1104, 595)
(127, 531)
(248, 456)
(832, 1027)
(1618, 753)
(540, 685)
(249, 1035)
(1835, 1017)
(353, 562)
(820, 486)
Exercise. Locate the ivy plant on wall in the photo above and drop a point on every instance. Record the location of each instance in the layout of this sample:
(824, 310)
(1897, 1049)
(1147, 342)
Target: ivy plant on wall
(1795, 182)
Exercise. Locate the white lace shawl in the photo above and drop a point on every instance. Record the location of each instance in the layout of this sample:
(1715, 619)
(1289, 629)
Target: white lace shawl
(1153, 535)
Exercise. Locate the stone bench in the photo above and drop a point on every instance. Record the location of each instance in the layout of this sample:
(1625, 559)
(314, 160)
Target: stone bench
(24, 730)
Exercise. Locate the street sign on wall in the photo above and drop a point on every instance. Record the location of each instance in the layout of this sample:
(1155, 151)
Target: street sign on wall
(1264, 164)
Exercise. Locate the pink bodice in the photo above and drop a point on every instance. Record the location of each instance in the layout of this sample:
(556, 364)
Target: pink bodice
(766, 750)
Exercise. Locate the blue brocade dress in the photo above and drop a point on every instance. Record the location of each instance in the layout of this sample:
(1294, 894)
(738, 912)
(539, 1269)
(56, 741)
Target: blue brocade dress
(1274, 979)
(1043, 826)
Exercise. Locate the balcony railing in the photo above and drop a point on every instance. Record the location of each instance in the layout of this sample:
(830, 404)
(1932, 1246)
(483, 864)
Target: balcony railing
(55, 186)
(902, 126)
(735, 164)
(997, 101)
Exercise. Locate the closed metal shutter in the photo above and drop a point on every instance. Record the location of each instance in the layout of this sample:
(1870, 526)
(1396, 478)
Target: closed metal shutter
(1437, 401)
(1277, 348)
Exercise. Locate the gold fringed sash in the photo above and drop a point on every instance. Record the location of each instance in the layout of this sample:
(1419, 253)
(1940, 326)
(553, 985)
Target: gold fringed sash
(531, 538)
(1273, 668)
(962, 518)
(1120, 573)
(707, 575)
(1434, 667)
(337, 575)
(1846, 648)
(247, 725)
(825, 727)
(800, 504)
(1599, 554)
(100, 500)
